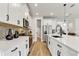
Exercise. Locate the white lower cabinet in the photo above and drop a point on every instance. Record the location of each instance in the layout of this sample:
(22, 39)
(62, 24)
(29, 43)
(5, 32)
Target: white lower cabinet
(58, 49)
(12, 52)
(50, 45)
(53, 47)
(20, 49)
(66, 51)
(24, 49)
(27, 47)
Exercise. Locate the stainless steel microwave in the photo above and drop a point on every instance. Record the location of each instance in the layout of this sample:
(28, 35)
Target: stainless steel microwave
(25, 23)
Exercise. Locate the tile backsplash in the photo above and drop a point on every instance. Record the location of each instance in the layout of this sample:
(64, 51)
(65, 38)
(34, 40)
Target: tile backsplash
(4, 32)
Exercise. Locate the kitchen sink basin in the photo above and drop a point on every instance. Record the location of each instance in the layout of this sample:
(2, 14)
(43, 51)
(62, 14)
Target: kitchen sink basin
(57, 36)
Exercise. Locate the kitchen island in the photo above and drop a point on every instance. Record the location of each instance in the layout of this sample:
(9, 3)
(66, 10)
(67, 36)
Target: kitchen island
(65, 46)
(15, 47)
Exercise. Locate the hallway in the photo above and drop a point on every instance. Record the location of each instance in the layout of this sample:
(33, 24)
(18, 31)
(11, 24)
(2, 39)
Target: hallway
(39, 49)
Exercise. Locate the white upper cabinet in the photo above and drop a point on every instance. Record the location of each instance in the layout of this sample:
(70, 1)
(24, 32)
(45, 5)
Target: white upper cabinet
(17, 13)
(13, 13)
(3, 12)
(22, 13)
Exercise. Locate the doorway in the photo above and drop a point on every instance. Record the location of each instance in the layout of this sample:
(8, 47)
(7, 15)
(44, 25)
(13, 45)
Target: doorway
(38, 29)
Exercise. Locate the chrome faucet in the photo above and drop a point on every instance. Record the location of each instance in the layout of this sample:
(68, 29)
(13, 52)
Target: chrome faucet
(60, 30)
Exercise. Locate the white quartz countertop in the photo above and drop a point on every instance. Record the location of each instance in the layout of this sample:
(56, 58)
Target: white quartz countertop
(8, 44)
(69, 41)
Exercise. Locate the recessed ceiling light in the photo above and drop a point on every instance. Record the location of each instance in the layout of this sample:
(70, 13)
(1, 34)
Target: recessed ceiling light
(37, 13)
(51, 14)
(35, 4)
(16, 4)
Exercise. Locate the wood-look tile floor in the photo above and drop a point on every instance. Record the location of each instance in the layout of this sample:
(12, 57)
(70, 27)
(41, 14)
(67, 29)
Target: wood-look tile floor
(39, 49)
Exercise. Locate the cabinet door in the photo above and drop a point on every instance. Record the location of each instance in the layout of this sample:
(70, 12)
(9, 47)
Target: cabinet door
(56, 48)
(24, 48)
(66, 51)
(49, 46)
(21, 15)
(59, 49)
(12, 52)
(3, 12)
(13, 14)
(17, 13)
(27, 46)
(53, 47)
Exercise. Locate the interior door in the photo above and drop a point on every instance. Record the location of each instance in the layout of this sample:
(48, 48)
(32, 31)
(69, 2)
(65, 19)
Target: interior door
(38, 29)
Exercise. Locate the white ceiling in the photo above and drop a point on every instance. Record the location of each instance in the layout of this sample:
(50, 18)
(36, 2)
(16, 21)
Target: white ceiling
(44, 9)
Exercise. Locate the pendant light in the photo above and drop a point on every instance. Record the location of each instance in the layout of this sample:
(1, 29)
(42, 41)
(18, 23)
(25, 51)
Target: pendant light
(65, 20)
(64, 12)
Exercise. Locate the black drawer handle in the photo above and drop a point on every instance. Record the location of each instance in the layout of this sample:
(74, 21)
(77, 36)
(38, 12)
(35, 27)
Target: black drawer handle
(58, 53)
(49, 42)
(19, 53)
(59, 45)
(14, 49)
(26, 46)
(7, 17)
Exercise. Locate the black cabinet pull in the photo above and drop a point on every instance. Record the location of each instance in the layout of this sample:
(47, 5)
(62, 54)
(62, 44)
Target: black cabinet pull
(49, 42)
(18, 21)
(14, 49)
(7, 17)
(59, 45)
(58, 53)
(19, 53)
(26, 46)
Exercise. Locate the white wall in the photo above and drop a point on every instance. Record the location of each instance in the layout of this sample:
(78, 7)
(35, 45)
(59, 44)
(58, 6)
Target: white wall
(39, 28)
(33, 26)
(51, 25)
(72, 24)
(52, 22)
(32, 23)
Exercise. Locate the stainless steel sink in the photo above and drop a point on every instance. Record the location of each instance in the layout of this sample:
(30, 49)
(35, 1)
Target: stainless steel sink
(57, 36)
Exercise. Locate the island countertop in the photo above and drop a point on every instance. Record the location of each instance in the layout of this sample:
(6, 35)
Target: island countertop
(69, 41)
